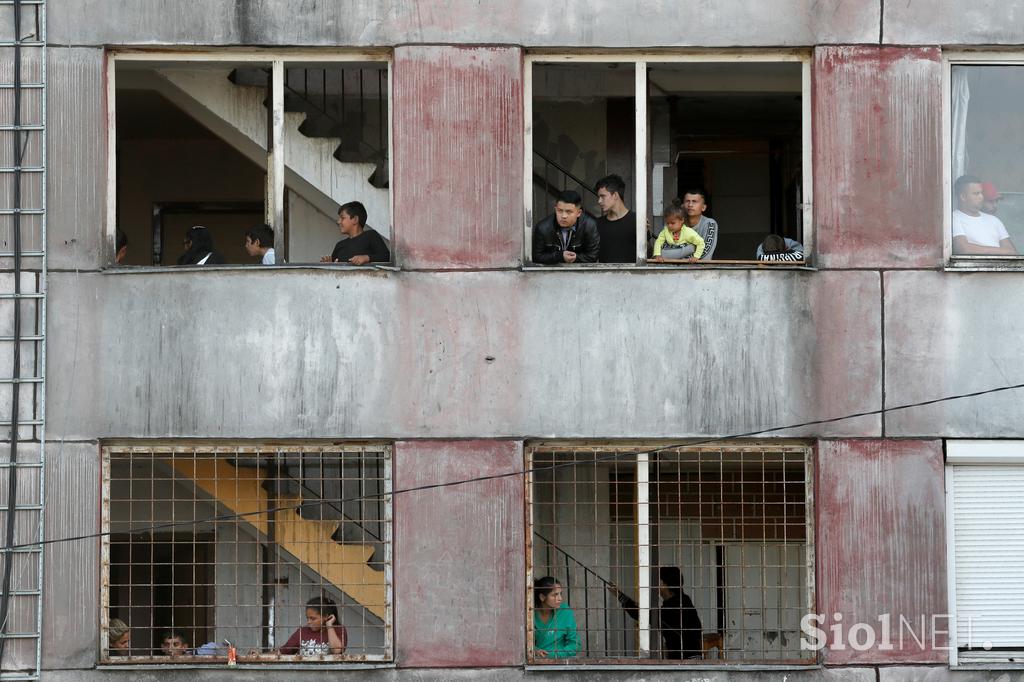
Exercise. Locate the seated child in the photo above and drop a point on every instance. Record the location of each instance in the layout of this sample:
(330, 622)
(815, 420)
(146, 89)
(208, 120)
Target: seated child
(776, 248)
(676, 235)
(322, 633)
(259, 242)
(120, 637)
(173, 643)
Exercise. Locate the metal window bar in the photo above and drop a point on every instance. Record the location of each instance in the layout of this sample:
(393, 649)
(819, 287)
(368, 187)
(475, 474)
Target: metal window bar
(733, 520)
(244, 538)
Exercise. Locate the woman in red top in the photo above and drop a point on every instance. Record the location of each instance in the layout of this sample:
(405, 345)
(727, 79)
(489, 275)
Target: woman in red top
(322, 634)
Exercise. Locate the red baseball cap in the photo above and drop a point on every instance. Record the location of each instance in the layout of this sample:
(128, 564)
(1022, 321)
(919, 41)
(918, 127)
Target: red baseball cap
(990, 192)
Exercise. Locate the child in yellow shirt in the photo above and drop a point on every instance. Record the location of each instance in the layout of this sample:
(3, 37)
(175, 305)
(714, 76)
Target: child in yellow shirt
(675, 235)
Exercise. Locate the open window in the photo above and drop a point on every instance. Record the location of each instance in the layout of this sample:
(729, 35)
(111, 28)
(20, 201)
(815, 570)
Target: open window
(729, 528)
(211, 547)
(985, 207)
(232, 144)
(730, 132)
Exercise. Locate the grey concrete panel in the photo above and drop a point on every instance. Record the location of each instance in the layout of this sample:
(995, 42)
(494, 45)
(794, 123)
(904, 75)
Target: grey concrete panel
(71, 576)
(532, 23)
(337, 353)
(939, 22)
(77, 159)
(948, 334)
(944, 674)
(558, 672)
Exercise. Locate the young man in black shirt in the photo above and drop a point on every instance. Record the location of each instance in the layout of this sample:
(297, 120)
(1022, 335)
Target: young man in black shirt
(617, 224)
(364, 244)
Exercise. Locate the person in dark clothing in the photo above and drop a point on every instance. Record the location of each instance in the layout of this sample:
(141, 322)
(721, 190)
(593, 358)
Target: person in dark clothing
(364, 244)
(566, 236)
(199, 248)
(617, 224)
(681, 630)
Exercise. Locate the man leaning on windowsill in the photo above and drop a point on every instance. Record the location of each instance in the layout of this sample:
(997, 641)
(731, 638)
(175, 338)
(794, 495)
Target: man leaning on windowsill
(568, 235)
(976, 233)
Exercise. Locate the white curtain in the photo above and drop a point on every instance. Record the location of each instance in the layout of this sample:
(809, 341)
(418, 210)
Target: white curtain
(960, 92)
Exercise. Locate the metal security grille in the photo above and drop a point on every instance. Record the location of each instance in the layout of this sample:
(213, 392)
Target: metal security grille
(22, 330)
(215, 546)
(731, 524)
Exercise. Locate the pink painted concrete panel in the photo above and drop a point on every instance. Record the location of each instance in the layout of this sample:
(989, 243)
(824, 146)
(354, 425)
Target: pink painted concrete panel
(881, 547)
(459, 561)
(458, 156)
(877, 157)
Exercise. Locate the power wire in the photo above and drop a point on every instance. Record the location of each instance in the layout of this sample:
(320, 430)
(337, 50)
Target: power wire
(508, 474)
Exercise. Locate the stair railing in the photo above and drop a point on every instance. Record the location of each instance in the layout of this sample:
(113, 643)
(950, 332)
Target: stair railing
(569, 563)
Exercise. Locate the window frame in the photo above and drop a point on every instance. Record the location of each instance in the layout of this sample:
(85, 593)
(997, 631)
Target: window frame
(959, 454)
(642, 166)
(966, 262)
(224, 448)
(641, 452)
(274, 199)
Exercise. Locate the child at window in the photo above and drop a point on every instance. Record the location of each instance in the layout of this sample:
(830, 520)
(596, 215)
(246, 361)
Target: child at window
(322, 633)
(554, 625)
(676, 235)
(776, 248)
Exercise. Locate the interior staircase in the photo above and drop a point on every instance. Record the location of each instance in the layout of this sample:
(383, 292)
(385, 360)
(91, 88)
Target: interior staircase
(243, 490)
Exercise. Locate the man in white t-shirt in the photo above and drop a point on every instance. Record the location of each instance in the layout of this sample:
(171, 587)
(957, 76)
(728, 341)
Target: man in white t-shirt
(974, 232)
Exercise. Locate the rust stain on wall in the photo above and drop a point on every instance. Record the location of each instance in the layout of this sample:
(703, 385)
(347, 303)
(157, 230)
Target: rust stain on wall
(459, 555)
(881, 547)
(458, 133)
(877, 156)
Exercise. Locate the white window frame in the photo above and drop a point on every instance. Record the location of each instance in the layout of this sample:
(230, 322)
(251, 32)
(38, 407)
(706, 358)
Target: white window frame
(278, 60)
(642, 171)
(641, 452)
(949, 60)
(963, 453)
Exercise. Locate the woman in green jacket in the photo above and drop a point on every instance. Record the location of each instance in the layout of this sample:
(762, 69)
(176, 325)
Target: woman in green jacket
(554, 626)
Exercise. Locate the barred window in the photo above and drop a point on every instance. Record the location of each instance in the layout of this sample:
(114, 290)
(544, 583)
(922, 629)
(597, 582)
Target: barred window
(280, 552)
(679, 553)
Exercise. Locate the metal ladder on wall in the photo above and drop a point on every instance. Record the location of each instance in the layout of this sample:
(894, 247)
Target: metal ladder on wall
(22, 332)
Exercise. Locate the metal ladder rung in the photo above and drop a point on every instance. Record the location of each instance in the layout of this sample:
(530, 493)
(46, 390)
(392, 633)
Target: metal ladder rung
(18, 635)
(22, 43)
(20, 550)
(24, 507)
(25, 593)
(14, 296)
(36, 337)
(25, 126)
(23, 422)
(21, 380)
(30, 86)
(23, 169)
(24, 254)
(22, 211)
(21, 465)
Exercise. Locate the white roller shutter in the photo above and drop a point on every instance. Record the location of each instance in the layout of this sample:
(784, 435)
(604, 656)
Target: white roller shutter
(987, 560)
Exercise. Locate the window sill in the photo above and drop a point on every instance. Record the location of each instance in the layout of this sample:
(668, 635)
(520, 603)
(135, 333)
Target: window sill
(245, 666)
(334, 267)
(719, 666)
(984, 264)
(650, 266)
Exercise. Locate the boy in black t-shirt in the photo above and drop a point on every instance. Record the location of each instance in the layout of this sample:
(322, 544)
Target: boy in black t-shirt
(364, 244)
(617, 224)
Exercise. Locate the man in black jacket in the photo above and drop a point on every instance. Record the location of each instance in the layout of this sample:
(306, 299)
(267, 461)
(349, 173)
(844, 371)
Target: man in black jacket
(677, 617)
(568, 235)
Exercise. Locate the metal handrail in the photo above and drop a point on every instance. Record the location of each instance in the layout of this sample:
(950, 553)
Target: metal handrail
(548, 161)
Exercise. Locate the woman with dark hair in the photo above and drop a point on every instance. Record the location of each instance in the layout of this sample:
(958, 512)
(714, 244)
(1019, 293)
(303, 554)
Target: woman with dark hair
(199, 248)
(554, 626)
(322, 633)
(680, 624)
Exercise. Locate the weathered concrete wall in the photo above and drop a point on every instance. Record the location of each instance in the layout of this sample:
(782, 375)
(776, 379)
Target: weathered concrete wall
(76, 176)
(458, 157)
(361, 23)
(71, 578)
(935, 22)
(949, 334)
(881, 548)
(877, 169)
(459, 555)
(465, 354)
